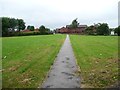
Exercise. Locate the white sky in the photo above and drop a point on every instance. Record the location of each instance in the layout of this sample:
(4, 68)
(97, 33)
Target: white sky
(57, 13)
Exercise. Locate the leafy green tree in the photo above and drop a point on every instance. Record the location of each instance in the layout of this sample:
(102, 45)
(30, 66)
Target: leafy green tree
(42, 29)
(103, 29)
(5, 25)
(28, 27)
(10, 24)
(31, 28)
(21, 24)
(47, 30)
(117, 30)
(74, 24)
(91, 30)
(5, 22)
(13, 23)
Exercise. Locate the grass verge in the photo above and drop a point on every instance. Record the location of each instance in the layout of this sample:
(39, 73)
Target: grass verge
(26, 60)
(97, 57)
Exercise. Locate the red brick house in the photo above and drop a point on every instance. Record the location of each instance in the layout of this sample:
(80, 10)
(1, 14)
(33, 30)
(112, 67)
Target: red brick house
(66, 30)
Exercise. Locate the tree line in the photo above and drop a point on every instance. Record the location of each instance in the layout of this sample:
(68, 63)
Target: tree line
(9, 25)
(101, 29)
(96, 29)
(13, 27)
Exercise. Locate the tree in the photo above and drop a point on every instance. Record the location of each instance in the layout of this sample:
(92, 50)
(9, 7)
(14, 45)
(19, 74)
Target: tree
(5, 25)
(47, 30)
(31, 28)
(91, 30)
(13, 23)
(28, 27)
(21, 24)
(10, 24)
(103, 29)
(42, 29)
(5, 22)
(74, 24)
(117, 30)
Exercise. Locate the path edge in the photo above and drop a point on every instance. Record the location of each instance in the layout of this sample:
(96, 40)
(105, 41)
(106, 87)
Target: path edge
(78, 72)
(46, 76)
(82, 84)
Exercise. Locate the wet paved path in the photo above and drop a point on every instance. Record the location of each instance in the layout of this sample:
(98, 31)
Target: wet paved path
(62, 73)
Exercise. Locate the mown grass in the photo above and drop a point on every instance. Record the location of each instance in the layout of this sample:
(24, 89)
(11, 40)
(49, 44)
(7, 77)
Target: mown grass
(26, 60)
(97, 57)
(0, 63)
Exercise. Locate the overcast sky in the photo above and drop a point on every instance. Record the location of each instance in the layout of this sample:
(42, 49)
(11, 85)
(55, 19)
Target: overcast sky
(57, 13)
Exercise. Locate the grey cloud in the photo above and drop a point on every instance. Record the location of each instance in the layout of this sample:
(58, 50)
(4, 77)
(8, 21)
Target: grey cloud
(55, 15)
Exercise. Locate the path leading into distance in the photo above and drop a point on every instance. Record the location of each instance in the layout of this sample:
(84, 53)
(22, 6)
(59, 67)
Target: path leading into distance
(63, 72)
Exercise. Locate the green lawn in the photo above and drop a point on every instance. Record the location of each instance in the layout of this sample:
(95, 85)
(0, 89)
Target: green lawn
(0, 62)
(97, 57)
(27, 59)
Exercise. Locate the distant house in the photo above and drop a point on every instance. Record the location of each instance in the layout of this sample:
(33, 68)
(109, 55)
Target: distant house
(112, 33)
(36, 30)
(26, 30)
(66, 30)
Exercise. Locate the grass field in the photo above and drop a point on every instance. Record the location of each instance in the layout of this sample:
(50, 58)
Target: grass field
(97, 57)
(0, 63)
(26, 60)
